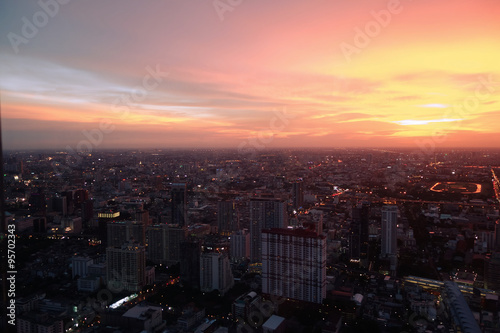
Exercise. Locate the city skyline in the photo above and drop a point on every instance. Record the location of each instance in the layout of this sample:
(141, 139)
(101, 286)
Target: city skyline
(239, 74)
(309, 240)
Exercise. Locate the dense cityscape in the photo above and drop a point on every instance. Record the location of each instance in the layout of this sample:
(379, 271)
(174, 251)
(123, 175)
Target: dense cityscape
(279, 240)
(250, 166)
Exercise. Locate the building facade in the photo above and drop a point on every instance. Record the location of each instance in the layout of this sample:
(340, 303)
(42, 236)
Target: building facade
(178, 193)
(389, 231)
(264, 214)
(164, 244)
(294, 264)
(215, 272)
(227, 217)
(125, 267)
(240, 245)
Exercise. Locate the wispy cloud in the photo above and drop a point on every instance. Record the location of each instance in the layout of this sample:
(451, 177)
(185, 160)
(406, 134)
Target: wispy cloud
(434, 105)
(407, 122)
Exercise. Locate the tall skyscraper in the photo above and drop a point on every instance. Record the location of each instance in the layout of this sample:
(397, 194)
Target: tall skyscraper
(497, 236)
(240, 245)
(87, 212)
(125, 231)
(178, 192)
(164, 243)
(294, 264)
(227, 218)
(389, 235)
(215, 272)
(105, 217)
(126, 267)
(297, 194)
(264, 214)
(190, 263)
(358, 232)
(492, 271)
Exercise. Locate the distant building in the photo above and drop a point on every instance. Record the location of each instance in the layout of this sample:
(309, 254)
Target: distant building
(358, 233)
(294, 264)
(275, 324)
(190, 263)
(125, 231)
(227, 217)
(492, 271)
(297, 195)
(150, 275)
(190, 318)
(145, 317)
(141, 216)
(39, 322)
(215, 272)
(246, 304)
(103, 218)
(458, 310)
(178, 205)
(89, 283)
(87, 212)
(80, 266)
(164, 244)
(240, 245)
(264, 214)
(98, 269)
(497, 236)
(389, 232)
(125, 267)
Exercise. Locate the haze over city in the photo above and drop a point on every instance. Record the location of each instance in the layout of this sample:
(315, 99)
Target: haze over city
(214, 74)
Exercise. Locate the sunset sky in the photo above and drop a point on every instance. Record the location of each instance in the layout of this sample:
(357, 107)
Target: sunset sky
(229, 73)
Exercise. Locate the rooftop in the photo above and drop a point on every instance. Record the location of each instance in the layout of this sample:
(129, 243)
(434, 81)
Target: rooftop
(273, 323)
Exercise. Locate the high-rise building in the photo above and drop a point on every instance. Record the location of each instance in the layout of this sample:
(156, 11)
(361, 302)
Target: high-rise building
(358, 232)
(294, 264)
(87, 212)
(227, 218)
(178, 193)
(141, 216)
(190, 263)
(497, 236)
(126, 267)
(215, 272)
(389, 232)
(80, 196)
(239, 248)
(80, 266)
(103, 218)
(492, 271)
(60, 204)
(297, 194)
(122, 232)
(264, 214)
(164, 243)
